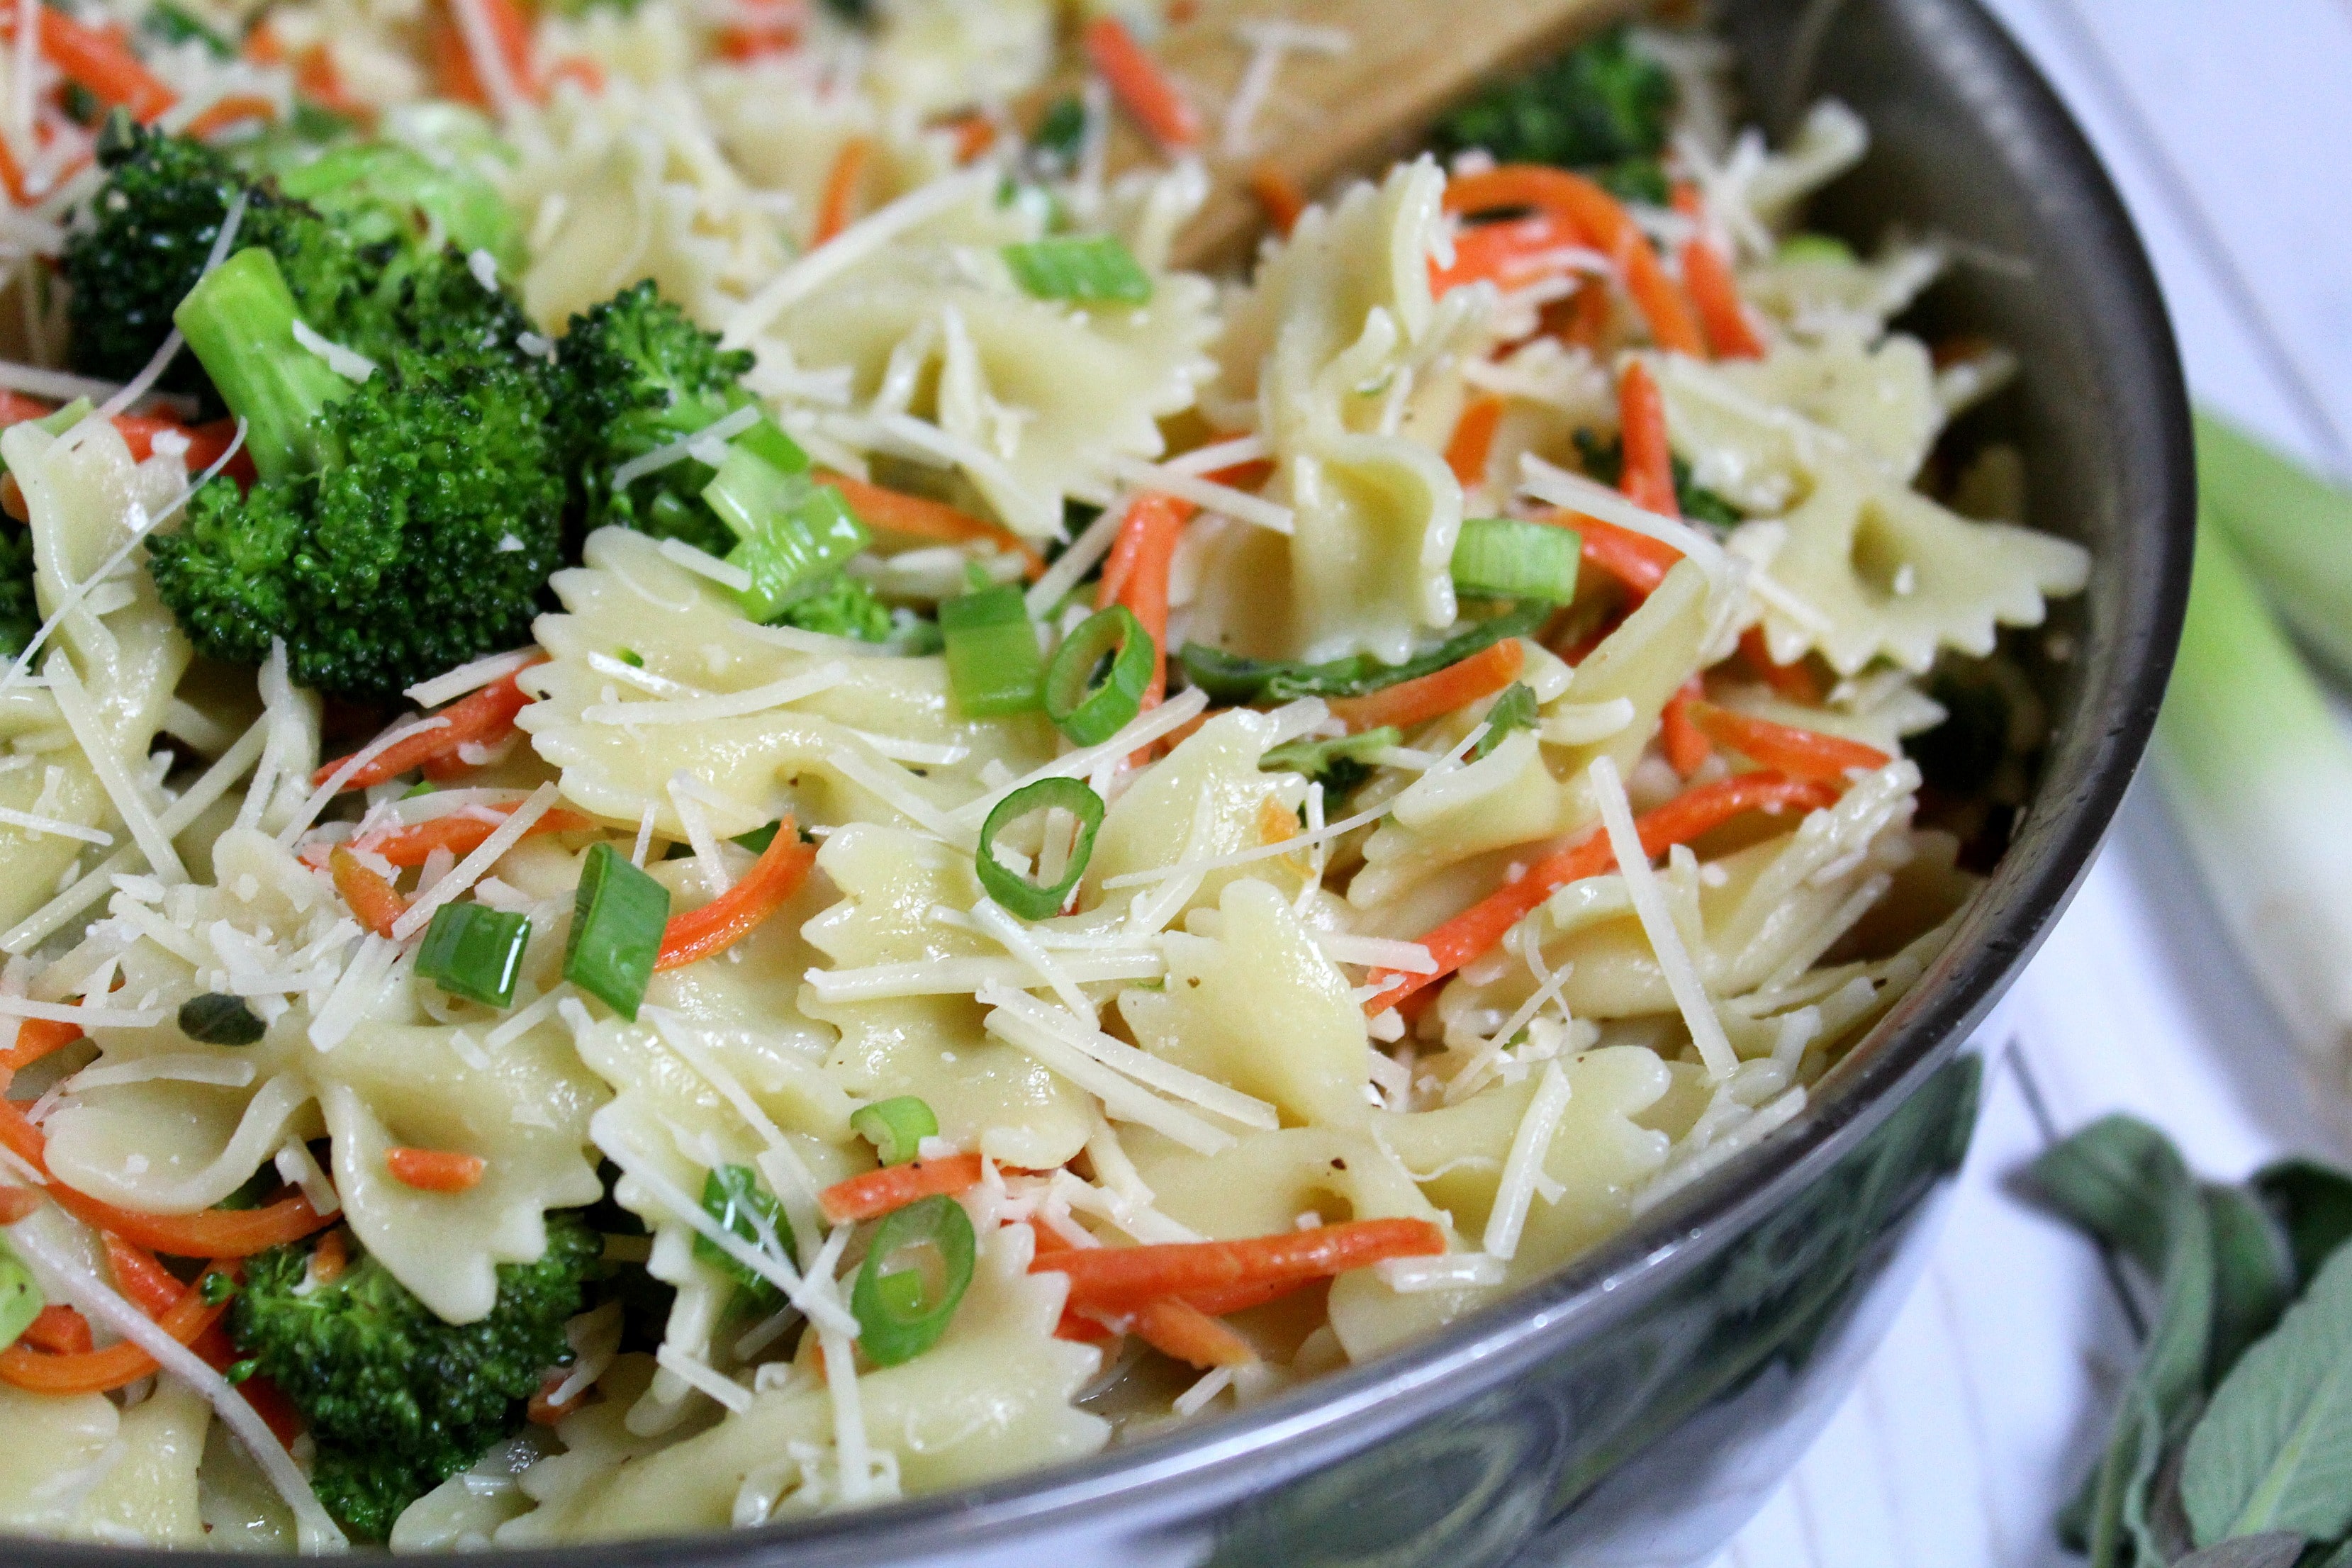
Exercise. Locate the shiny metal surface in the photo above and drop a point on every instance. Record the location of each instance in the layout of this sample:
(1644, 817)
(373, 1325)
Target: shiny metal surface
(1636, 1407)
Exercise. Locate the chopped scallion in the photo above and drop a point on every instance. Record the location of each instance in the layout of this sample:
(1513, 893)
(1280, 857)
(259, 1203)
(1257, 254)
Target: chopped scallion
(904, 1303)
(1094, 686)
(474, 951)
(798, 534)
(767, 441)
(895, 1127)
(733, 1196)
(617, 918)
(993, 664)
(1505, 558)
(20, 1298)
(1514, 709)
(1338, 764)
(1017, 893)
(1097, 268)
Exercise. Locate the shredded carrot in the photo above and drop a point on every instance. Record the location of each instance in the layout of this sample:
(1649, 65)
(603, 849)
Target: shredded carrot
(1410, 703)
(1635, 559)
(139, 431)
(479, 719)
(1508, 254)
(454, 61)
(1078, 1327)
(1686, 745)
(839, 203)
(579, 68)
(12, 176)
(60, 1331)
(1793, 681)
(459, 835)
(1140, 86)
(99, 62)
(453, 66)
(973, 133)
(1605, 225)
(144, 1282)
(543, 1411)
(100, 1372)
(1136, 573)
(511, 30)
(262, 46)
(1583, 321)
(878, 1193)
(320, 79)
(372, 901)
(1647, 476)
(228, 111)
(21, 1138)
(1473, 441)
(15, 408)
(329, 1257)
(761, 30)
(1177, 1329)
(734, 914)
(16, 1203)
(1278, 194)
(894, 511)
(1784, 748)
(35, 1038)
(435, 1170)
(211, 1233)
(1123, 1279)
(1688, 815)
(1707, 273)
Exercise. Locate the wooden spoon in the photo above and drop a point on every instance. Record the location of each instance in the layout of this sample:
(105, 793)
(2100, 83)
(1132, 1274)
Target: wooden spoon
(1407, 62)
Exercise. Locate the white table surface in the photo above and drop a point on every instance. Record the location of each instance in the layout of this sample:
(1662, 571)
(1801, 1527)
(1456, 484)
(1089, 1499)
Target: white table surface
(2222, 125)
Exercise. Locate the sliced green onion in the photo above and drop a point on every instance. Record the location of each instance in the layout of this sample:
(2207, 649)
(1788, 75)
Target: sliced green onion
(1338, 764)
(65, 418)
(1017, 893)
(474, 951)
(1231, 679)
(2290, 527)
(20, 1298)
(993, 664)
(1514, 709)
(1095, 267)
(422, 786)
(902, 1312)
(1504, 558)
(758, 838)
(767, 441)
(1092, 703)
(794, 534)
(616, 931)
(733, 1196)
(895, 1127)
(1813, 247)
(214, 1020)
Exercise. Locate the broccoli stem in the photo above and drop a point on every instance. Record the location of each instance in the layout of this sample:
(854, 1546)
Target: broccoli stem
(240, 321)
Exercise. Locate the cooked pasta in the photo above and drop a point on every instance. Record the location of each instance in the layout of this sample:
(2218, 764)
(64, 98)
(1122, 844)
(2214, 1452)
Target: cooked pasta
(720, 810)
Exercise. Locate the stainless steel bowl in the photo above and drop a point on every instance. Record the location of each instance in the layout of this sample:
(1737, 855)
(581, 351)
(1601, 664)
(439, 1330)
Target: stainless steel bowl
(1638, 1407)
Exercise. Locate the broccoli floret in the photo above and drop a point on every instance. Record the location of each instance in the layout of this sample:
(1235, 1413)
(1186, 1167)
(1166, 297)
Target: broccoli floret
(845, 607)
(20, 613)
(1602, 108)
(396, 1400)
(637, 375)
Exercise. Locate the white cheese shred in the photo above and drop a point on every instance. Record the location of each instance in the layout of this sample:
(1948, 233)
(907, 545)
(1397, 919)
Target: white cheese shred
(1521, 1168)
(1658, 922)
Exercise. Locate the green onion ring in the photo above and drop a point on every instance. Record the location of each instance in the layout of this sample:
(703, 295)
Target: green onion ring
(900, 1316)
(895, 1127)
(1089, 713)
(1016, 892)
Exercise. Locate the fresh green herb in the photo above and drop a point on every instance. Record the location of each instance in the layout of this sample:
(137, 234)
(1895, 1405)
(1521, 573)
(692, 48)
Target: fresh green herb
(895, 1127)
(904, 1304)
(214, 1020)
(421, 787)
(617, 918)
(733, 1196)
(633, 658)
(1338, 764)
(1604, 108)
(1604, 461)
(1505, 558)
(82, 106)
(1514, 709)
(1095, 267)
(1096, 684)
(1229, 678)
(1016, 892)
(993, 664)
(236, 1372)
(2313, 1205)
(474, 951)
(20, 1297)
(1062, 131)
(170, 24)
(758, 839)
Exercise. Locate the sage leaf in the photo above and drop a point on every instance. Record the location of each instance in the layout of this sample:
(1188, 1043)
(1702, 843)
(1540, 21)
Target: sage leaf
(2313, 1203)
(2274, 1451)
(2277, 1549)
(2253, 1275)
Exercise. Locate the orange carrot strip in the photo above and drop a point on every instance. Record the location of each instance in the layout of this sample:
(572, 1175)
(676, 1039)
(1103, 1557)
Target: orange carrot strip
(228, 111)
(461, 835)
(211, 1233)
(512, 31)
(16, 1203)
(734, 914)
(1715, 292)
(329, 1259)
(894, 511)
(1587, 317)
(100, 1372)
(1680, 820)
(841, 185)
(60, 1331)
(1686, 745)
(453, 66)
(1278, 194)
(1507, 254)
(144, 1282)
(878, 1193)
(579, 68)
(99, 62)
(435, 1170)
(1784, 748)
(479, 718)
(1140, 86)
(262, 46)
(1605, 225)
(15, 408)
(1647, 478)
(36, 1037)
(1130, 1278)
(1078, 1327)
(372, 901)
(1473, 441)
(1136, 573)
(1410, 702)
(1792, 682)
(21, 1138)
(1177, 1329)
(1636, 560)
(13, 178)
(974, 134)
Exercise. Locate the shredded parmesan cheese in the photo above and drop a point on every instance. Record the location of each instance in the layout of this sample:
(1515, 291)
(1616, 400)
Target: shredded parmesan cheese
(1658, 923)
(1525, 1163)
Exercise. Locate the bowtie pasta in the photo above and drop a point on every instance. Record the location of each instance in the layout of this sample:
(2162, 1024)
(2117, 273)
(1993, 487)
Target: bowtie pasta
(713, 805)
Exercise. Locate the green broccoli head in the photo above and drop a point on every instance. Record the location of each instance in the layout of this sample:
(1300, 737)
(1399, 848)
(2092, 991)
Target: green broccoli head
(845, 607)
(1604, 108)
(396, 1400)
(637, 375)
(20, 612)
